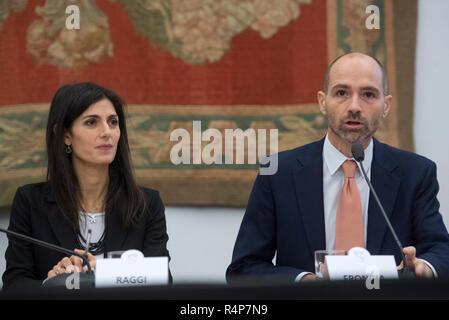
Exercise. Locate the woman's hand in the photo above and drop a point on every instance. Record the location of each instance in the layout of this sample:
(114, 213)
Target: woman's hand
(72, 264)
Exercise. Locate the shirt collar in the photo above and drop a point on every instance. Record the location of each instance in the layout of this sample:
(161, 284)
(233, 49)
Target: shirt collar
(333, 158)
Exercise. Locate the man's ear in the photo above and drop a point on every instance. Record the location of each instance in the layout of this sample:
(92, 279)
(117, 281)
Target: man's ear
(321, 97)
(387, 105)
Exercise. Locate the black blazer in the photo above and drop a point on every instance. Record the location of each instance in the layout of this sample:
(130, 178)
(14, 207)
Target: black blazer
(35, 213)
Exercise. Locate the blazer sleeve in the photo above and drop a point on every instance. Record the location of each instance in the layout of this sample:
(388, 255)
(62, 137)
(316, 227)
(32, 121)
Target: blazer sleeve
(430, 234)
(20, 265)
(156, 237)
(255, 246)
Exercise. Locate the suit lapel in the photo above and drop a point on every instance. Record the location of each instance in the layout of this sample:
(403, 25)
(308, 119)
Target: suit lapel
(63, 232)
(115, 233)
(386, 185)
(309, 193)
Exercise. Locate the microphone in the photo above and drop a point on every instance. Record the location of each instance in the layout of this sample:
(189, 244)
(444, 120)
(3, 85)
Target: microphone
(359, 155)
(57, 279)
(89, 234)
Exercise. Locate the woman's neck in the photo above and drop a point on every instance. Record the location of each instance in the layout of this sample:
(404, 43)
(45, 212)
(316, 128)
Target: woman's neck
(93, 181)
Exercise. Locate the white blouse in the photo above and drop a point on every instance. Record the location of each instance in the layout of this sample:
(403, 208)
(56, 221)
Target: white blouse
(96, 223)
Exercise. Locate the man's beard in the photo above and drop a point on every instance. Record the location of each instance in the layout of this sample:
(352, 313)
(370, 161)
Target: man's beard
(352, 135)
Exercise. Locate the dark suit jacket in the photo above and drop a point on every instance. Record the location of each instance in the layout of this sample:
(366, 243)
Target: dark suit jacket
(285, 214)
(35, 213)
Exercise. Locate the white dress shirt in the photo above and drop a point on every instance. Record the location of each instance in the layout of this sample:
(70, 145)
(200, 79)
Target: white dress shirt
(333, 180)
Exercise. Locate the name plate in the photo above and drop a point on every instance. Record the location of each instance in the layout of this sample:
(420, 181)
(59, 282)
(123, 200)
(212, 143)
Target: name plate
(132, 269)
(359, 265)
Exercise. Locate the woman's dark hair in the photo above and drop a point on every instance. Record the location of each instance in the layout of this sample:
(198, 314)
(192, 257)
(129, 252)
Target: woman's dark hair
(123, 194)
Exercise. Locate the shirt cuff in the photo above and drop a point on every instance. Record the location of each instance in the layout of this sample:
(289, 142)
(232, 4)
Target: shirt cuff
(301, 275)
(435, 274)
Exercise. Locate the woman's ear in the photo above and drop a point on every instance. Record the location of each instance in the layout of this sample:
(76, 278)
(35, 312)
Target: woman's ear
(67, 138)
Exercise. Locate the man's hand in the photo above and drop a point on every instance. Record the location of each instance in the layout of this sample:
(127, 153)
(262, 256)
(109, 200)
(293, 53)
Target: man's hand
(419, 267)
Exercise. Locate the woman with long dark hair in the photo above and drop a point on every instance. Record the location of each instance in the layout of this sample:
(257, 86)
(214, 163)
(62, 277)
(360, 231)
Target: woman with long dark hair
(90, 187)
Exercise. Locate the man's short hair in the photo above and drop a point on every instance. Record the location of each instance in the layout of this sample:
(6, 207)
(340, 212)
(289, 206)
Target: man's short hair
(384, 74)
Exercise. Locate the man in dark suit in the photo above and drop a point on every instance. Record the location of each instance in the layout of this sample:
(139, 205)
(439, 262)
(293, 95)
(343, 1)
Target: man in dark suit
(300, 209)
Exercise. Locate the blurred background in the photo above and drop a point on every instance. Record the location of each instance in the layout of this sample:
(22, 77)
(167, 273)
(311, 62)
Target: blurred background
(231, 64)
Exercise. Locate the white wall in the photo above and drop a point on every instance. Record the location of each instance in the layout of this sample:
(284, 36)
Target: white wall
(202, 239)
(201, 242)
(4, 222)
(432, 89)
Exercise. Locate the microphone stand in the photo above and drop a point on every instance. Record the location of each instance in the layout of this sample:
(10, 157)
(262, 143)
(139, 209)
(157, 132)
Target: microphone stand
(59, 281)
(48, 246)
(405, 272)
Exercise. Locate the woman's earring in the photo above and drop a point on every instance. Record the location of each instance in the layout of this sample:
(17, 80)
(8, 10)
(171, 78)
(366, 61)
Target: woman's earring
(68, 149)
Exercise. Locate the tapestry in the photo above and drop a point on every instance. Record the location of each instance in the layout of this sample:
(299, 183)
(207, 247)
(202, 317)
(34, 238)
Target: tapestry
(193, 66)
